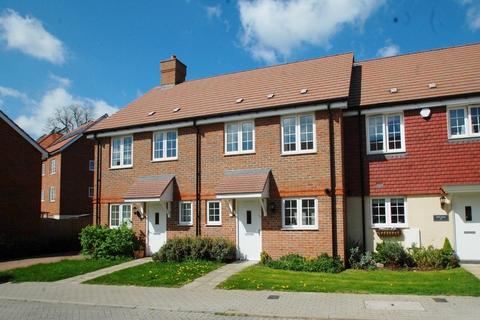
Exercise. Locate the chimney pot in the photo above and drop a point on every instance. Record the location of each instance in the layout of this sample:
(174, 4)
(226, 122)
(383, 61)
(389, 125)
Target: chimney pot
(172, 71)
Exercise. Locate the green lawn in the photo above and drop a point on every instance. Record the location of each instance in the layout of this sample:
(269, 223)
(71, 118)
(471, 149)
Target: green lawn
(156, 274)
(46, 272)
(445, 282)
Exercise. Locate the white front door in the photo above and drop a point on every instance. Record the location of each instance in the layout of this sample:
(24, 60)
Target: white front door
(249, 228)
(156, 226)
(467, 226)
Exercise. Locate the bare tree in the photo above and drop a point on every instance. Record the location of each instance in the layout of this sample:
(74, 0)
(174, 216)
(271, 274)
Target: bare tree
(69, 118)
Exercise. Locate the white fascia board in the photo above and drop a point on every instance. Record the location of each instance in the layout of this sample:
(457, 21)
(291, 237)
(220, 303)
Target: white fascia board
(418, 105)
(143, 200)
(462, 188)
(240, 196)
(126, 132)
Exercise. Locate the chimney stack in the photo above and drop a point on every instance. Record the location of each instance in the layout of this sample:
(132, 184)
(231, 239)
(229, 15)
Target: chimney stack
(173, 71)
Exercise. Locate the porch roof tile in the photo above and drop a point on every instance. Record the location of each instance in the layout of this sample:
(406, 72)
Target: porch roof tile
(243, 181)
(148, 187)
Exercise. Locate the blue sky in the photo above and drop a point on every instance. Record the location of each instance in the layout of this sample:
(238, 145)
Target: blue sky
(103, 54)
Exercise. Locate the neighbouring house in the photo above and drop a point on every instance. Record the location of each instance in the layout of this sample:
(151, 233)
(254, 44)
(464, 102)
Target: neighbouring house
(300, 157)
(67, 173)
(412, 150)
(21, 180)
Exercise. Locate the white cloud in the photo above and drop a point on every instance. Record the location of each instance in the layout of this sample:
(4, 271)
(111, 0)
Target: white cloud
(214, 11)
(389, 50)
(274, 29)
(473, 13)
(38, 112)
(60, 81)
(28, 35)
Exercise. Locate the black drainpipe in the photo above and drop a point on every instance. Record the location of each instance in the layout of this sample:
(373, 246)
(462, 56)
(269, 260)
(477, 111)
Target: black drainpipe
(333, 182)
(198, 181)
(99, 181)
(362, 178)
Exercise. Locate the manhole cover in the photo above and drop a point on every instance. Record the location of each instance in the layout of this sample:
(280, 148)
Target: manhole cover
(273, 297)
(440, 300)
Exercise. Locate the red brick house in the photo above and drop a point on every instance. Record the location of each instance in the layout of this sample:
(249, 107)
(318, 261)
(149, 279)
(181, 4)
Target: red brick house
(67, 173)
(278, 159)
(21, 180)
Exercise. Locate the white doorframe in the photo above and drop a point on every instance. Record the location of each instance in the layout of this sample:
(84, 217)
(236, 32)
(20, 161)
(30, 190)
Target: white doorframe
(258, 210)
(163, 213)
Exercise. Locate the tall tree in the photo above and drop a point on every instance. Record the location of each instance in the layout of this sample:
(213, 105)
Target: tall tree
(68, 118)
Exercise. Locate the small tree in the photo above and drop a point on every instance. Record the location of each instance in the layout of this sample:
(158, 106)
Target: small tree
(68, 118)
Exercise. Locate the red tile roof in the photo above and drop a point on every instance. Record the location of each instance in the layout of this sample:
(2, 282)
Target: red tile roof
(325, 78)
(48, 139)
(149, 187)
(455, 71)
(243, 181)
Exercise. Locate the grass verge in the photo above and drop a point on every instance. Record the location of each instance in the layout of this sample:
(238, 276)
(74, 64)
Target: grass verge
(47, 272)
(445, 282)
(156, 274)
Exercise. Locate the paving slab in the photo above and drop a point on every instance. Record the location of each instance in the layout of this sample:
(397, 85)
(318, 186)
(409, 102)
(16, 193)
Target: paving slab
(473, 269)
(22, 263)
(214, 278)
(101, 272)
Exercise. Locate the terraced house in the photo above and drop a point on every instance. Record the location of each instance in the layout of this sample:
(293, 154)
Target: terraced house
(300, 157)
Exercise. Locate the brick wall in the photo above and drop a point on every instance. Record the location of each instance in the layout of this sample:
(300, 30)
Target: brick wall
(48, 180)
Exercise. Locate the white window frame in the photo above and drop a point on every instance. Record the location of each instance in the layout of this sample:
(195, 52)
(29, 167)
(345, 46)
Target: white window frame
(468, 122)
(122, 144)
(42, 195)
(214, 223)
(52, 195)
(90, 192)
(120, 215)
(386, 148)
(164, 143)
(297, 134)
(388, 213)
(185, 223)
(91, 165)
(239, 137)
(300, 225)
(53, 166)
(43, 168)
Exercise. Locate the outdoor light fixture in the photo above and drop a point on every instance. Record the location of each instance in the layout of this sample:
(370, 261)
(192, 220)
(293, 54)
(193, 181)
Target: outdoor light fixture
(271, 207)
(443, 200)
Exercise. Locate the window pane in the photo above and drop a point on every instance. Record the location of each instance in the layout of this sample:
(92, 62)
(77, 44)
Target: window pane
(127, 151)
(397, 207)
(375, 133)
(126, 214)
(232, 137)
(116, 152)
(457, 122)
(378, 211)
(171, 144)
(306, 132)
(290, 212)
(247, 136)
(308, 212)
(289, 134)
(475, 113)
(214, 211)
(158, 146)
(115, 216)
(394, 136)
(186, 212)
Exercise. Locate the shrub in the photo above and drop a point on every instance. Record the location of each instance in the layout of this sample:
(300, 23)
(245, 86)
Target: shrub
(449, 257)
(202, 248)
(361, 260)
(103, 242)
(265, 258)
(392, 254)
(426, 258)
(295, 262)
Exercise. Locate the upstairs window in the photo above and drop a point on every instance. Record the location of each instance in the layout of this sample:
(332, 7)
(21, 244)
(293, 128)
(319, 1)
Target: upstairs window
(122, 152)
(240, 137)
(388, 212)
(120, 214)
(298, 134)
(299, 213)
(385, 134)
(165, 144)
(464, 122)
(53, 166)
(51, 194)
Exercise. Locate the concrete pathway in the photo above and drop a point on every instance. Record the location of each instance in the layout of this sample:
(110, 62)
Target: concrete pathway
(473, 269)
(121, 300)
(13, 264)
(98, 273)
(212, 279)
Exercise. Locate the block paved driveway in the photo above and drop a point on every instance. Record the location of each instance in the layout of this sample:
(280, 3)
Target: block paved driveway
(81, 301)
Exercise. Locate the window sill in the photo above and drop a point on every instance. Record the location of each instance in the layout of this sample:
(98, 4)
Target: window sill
(385, 153)
(465, 138)
(183, 224)
(296, 153)
(119, 168)
(240, 153)
(389, 226)
(164, 159)
(299, 229)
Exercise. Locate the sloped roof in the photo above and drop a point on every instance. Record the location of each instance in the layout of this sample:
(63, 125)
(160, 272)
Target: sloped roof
(149, 187)
(48, 139)
(455, 71)
(325, 78)
(243, 181)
